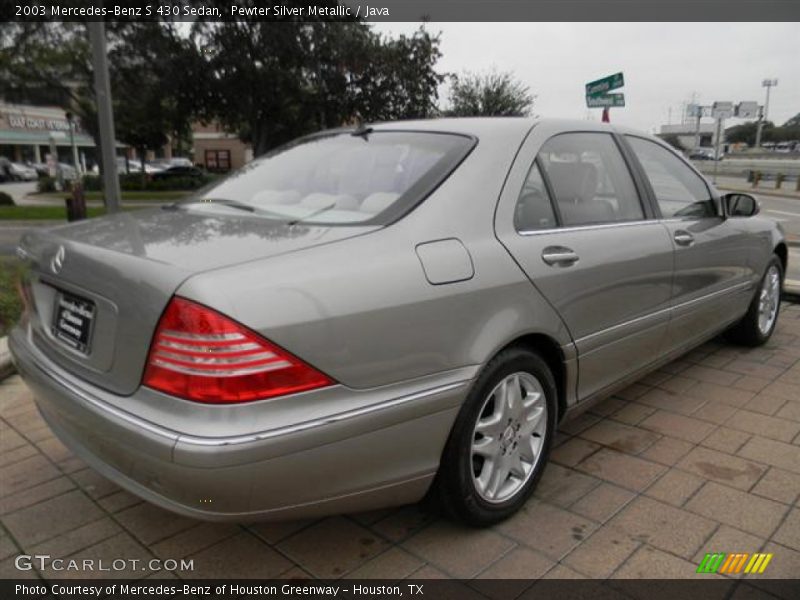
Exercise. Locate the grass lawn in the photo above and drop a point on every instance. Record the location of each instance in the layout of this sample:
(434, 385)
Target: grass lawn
(160, 196)
(34, 213)
(10, 303)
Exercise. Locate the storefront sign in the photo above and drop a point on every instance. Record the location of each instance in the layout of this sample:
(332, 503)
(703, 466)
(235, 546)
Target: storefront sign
(22, 122)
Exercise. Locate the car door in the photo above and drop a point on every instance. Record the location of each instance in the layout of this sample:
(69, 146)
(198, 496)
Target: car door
(574, 219)
(713, 277)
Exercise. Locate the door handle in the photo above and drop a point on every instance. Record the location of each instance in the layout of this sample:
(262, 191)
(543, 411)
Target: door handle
(683, 238)
(559, 256)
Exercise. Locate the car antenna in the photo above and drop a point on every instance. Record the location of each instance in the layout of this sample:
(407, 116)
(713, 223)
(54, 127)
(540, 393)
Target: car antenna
(361, 129)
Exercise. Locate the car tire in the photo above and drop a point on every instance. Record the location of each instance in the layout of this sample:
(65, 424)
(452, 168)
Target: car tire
(490, 436)
(759, 322)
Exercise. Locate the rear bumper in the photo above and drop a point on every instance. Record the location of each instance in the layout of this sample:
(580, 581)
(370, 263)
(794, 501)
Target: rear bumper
(382, 450)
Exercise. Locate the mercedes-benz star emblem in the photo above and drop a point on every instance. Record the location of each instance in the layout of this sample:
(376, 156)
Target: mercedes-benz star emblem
(58, 260)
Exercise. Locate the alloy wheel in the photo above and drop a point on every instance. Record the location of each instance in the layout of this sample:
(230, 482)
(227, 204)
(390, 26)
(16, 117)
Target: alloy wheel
(769, 299)
(508, 437)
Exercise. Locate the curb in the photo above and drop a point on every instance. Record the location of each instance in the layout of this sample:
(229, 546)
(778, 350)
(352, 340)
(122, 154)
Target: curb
(6, 366)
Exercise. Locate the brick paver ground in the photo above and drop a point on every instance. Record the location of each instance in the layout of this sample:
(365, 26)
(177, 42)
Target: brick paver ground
(701, 456)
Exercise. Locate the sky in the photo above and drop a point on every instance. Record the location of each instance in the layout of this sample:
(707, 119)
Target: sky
(663, 64)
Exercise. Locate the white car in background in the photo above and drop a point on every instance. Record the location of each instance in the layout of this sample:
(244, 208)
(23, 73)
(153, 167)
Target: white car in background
(21, 172)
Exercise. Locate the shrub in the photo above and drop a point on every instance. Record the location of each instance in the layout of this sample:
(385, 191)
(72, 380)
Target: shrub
(10, 302)
(46, 184)
(6, 200)
(92, 183)
(133, 182)
(178, 183)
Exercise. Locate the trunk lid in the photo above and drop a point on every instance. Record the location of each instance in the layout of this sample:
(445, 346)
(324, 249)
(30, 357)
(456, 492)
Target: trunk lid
(111, 279)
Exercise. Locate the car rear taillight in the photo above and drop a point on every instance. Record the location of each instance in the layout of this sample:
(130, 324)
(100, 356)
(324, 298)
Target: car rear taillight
(201, 355)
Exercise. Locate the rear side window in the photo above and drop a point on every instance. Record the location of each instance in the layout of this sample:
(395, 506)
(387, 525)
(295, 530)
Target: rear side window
(680, 192)
(342, 178)
(589, 179)
(534, 209)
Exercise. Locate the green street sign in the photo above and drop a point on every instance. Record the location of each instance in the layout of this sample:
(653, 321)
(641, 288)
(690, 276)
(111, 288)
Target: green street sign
(606, 84)
(605, 100)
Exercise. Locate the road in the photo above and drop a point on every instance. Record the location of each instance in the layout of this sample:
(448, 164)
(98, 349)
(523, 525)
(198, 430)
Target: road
(786, 211)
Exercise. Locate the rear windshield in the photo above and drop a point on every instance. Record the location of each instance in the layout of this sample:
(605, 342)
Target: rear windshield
(341, 178)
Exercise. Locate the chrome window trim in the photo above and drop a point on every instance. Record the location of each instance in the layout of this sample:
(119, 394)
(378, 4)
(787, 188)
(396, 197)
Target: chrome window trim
(527, 232)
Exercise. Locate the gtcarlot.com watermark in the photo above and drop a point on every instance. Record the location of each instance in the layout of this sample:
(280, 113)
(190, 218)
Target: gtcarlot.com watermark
(44, 562)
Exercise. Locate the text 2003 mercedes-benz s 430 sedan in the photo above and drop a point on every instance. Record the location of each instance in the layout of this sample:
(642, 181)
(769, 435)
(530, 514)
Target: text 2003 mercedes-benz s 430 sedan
(366, 315)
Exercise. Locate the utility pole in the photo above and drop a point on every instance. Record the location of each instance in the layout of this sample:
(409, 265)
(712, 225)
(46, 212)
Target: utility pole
(102, 88)
(769, 84)
(716, 147)
(71, 123)
(697, 127)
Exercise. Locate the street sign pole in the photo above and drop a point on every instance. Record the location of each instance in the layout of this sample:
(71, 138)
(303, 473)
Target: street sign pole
(716, 150)
(769, 84)
(597, 95)
(697, 131)
(102, 87)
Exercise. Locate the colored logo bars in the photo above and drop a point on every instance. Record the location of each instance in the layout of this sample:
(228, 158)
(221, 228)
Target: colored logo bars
(720, 562)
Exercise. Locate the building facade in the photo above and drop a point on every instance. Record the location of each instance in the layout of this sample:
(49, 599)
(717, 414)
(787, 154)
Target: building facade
(217, 150)
(688, 134)
(27, 134)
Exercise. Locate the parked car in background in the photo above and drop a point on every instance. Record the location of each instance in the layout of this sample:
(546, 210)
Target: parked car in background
(366, 316)
(787, 147)
(68, 172)
(703, 154)
(5, 169)
(165, 163)
(180, 161)
(174, 172)
(41, 168)
(21, 172)
(132, 166)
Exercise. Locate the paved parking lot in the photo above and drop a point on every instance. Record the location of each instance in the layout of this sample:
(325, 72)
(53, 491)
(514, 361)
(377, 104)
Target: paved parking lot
(701, 456)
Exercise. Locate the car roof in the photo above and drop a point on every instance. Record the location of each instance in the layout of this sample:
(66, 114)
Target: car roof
(493, 127)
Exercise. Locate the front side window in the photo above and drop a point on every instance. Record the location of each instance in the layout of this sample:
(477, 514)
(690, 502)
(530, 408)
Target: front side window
(680, 192)
(589, 179)
(340, 178)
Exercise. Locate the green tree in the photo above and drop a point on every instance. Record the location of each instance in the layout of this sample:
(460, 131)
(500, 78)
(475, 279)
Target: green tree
(49, 63)
(152, 71)
(489, 94)
(274, 81)
(746, 132)
(793, 122)
(152, 96)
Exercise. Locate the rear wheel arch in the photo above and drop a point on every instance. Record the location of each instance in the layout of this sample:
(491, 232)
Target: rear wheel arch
(782, 253)
(551, 352)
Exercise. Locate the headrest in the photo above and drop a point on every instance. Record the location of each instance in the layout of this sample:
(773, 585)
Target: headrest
(320, 200)
(377, 202)
(276, 197)
(573, 181)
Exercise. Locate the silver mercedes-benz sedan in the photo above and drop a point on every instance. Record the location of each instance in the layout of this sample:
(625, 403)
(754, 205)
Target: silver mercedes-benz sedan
(366, 316)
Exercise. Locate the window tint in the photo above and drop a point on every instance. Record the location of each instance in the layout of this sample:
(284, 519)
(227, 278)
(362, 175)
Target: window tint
(341, 178)
(534, 209)
(679, 190)
(589, 179)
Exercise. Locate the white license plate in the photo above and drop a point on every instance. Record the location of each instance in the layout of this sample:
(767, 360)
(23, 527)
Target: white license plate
(73, 320)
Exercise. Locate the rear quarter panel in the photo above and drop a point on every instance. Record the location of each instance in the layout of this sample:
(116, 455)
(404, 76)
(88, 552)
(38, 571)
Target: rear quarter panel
(363, 311)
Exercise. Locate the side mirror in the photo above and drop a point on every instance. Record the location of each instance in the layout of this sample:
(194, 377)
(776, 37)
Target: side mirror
(740, 205)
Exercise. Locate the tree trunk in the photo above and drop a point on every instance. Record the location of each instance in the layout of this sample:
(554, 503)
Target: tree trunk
(143, 151)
